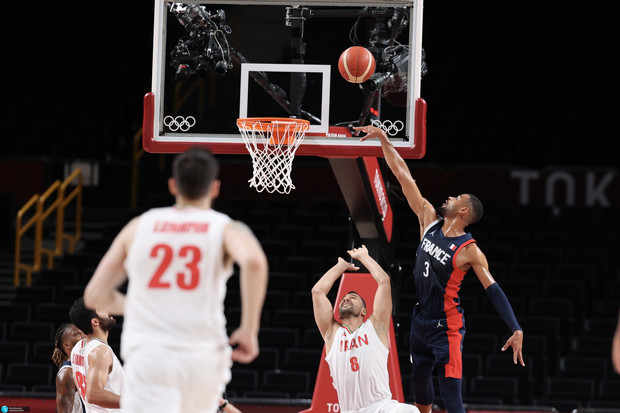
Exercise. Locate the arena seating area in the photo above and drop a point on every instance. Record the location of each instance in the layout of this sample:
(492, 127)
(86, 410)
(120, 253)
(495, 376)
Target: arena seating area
(563, 286)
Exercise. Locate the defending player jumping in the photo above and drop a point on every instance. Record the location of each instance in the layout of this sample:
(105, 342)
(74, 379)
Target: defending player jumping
(445, 254)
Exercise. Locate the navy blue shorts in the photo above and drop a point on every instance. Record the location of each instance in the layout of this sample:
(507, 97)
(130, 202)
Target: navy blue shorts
(438, 340)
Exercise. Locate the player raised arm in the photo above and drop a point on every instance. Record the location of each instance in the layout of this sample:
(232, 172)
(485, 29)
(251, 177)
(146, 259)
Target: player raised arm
(382, 306)
(323, 309)
(421, 207)
(242, 247)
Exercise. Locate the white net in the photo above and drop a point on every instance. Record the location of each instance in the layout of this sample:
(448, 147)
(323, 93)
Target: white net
(272, 144)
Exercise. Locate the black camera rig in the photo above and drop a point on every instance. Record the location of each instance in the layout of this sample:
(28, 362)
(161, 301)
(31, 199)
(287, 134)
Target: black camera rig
(205, 48)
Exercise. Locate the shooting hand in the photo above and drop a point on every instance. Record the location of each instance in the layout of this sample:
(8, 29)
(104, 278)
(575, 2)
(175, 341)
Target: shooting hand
(358, 253)
(348, 266)
(371, 132)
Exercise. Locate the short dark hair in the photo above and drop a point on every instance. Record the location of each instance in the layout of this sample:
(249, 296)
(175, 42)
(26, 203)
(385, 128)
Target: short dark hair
(475, 206)
(81, 316)
(361, 298)
(194, 171)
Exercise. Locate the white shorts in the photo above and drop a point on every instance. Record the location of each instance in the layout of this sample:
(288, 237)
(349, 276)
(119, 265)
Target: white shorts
(168, 380)
(388, 406)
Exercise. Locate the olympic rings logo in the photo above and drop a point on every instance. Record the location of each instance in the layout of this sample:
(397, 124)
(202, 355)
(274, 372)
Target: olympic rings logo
(179, 123)
(391, 128)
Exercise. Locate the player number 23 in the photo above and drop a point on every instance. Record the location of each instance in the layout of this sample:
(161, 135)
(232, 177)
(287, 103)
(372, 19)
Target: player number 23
(187, 280)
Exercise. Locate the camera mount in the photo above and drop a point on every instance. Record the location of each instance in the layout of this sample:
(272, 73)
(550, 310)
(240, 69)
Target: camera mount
(206, 46)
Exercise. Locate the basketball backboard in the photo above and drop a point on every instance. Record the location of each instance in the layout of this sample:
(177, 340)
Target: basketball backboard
(217, 61)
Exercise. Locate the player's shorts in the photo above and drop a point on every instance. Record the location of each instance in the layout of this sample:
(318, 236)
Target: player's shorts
(439, 340)
(387, 406)
(164, 380)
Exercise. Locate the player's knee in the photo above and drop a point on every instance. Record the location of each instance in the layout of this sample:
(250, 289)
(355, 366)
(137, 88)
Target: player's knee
(451, 394)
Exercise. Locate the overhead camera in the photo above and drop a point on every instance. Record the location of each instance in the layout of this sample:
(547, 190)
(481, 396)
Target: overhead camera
(205, 48)
(392, 69)
(392, 57)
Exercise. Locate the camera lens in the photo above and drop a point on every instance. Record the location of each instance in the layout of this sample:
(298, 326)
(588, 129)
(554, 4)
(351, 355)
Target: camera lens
(182, 72)
(221, 68)
(203, 69)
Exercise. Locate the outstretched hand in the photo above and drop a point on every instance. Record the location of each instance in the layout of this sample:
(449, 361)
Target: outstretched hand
(371, 132)
(516, 342)
(358, 253)
(348, 266)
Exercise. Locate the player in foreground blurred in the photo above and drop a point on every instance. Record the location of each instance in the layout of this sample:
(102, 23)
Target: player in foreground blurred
(178, 260)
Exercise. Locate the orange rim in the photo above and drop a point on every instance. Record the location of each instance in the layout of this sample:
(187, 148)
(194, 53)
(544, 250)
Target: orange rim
(280, 128)
(263, 123)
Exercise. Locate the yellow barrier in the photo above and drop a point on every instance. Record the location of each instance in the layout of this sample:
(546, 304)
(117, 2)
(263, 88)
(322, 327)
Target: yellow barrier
(19, 231)
(61, 235)
(38, 219)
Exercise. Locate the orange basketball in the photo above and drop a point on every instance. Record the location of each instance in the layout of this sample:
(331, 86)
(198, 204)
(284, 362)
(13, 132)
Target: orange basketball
(356, 64)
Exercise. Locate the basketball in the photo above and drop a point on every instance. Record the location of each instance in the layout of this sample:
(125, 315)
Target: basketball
(356, 64)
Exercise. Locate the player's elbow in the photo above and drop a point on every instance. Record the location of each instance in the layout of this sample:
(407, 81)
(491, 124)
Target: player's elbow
(256, 264)
(317, 291)
(94, 297)
(102, 398)
(93, 396)
(91, 297)
(383, 281)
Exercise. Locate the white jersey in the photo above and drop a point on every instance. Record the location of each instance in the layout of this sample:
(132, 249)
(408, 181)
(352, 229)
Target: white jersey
(358, 365)
(79, 363)
(77, 403)
(177, 281)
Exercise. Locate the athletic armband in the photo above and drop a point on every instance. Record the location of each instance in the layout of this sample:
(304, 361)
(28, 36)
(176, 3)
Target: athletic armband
(501, 304)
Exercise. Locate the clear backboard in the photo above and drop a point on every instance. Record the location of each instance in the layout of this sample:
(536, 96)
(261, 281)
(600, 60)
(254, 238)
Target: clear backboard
(217, 61)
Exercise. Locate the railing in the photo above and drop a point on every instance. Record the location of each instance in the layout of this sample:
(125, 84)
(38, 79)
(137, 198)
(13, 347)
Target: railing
(37, 220)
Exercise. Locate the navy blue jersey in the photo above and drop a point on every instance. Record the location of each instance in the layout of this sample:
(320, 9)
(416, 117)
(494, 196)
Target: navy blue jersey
(437, 280)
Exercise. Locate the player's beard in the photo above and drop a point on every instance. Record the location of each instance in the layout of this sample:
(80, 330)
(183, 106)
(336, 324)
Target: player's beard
(441, 211)
(106, 324)
(348, 311)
